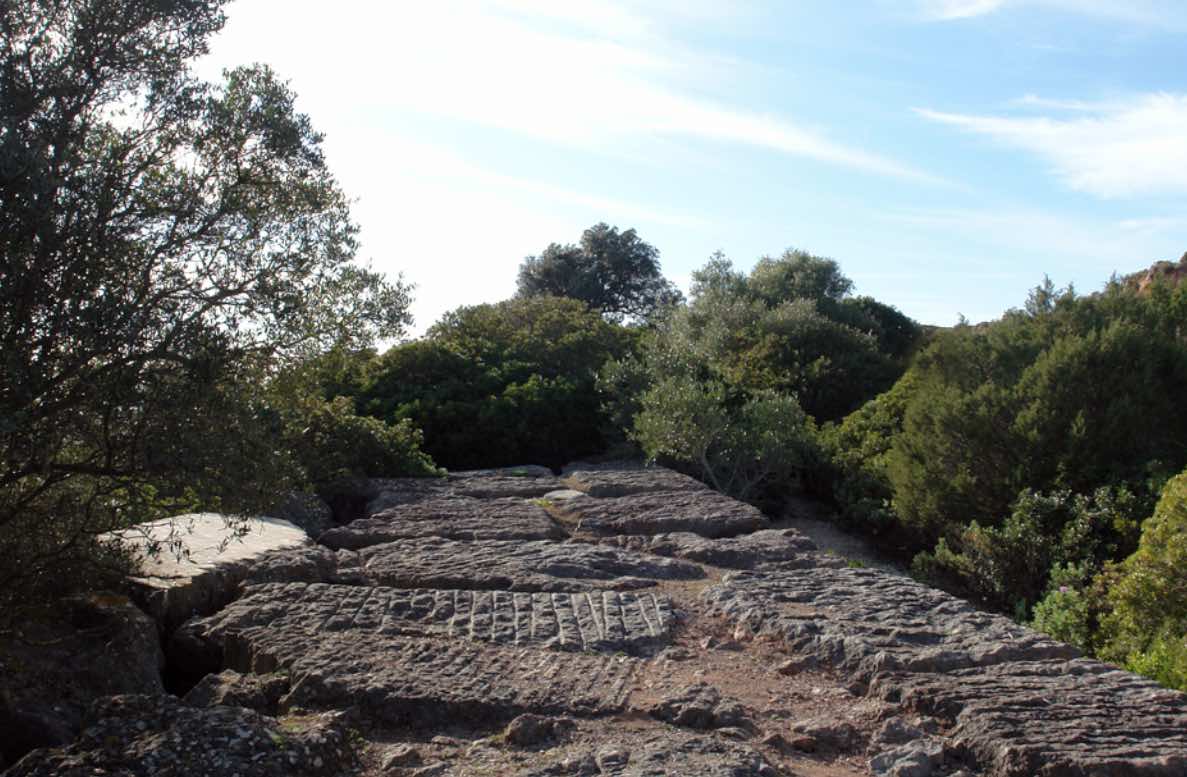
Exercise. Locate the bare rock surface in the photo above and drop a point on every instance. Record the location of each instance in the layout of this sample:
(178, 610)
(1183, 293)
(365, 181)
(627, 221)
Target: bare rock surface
(148, 736)
(623, 478)
(662, 754)
(706, 513)
(601, 621)
(701, 706)
(213, 560)
(1079, 717)
(1010, 699)
(432, 562)
(746, 551)
(58, 663)
(524, 482)
(456, 517)
(865, 621)
(261, 693)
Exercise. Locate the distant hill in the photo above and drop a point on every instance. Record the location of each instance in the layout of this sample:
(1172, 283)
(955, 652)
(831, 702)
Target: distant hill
(1160, 271)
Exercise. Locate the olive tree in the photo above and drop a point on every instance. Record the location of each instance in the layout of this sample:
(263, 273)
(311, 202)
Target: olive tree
(167, 246)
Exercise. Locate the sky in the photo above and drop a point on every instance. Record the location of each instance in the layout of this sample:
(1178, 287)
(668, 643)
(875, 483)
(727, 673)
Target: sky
(948, 154)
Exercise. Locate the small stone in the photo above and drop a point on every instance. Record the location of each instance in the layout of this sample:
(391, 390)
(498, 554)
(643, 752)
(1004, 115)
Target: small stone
(530, 730)
(401, 756)
(610, 758)
(803, 743)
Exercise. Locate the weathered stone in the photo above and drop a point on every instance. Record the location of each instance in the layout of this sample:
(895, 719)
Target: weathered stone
(430, 562)
(700, 706)
(399, 757)
(462, 518)
(1050, 717)
(523, 482)
(653, 754)
(786, 546)
(532, 730)
(866, 621)
(623, 478)
(261, 693)
(146, 736)
(60, 662)
(602, 621)
(1016, 701)
(917, 759)
(706, 513)
(838, 735)
(212, 563)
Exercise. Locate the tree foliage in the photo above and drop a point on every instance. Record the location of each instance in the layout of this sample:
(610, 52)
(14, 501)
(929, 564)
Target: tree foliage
(166, 245)
(615, 273)
(501, 384)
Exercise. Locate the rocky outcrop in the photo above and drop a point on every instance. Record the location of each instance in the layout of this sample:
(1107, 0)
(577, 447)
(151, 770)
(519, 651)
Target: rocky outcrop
(706, 513)
(61, 662)
(620, 620)
(193, 564)
(147, 736)
(458, 518)
(1010, 699)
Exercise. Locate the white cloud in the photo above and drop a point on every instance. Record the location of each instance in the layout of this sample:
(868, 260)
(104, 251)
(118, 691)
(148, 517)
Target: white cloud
(593, 75)
(1127, 148)
(1158, 13)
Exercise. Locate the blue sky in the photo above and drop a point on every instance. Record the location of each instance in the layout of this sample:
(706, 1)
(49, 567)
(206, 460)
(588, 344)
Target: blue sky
(948, 153)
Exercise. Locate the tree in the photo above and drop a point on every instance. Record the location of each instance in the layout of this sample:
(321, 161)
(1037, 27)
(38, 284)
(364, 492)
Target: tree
(167, 247)
(613, 272)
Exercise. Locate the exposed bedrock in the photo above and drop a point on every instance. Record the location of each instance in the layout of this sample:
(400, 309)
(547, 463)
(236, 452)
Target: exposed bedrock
(434, 562)
(649, 754)
(523, 482)
(623, 478)
(204, 573)
(601, 621)
(706, 513)
(1013, 700)
(747, 551)
(433, 656)
(147, 736)
(459, 517)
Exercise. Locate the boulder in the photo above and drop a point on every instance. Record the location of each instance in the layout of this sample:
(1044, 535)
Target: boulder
(158, 735)
(58, 663)
(229, 688)
(701, 706)
(213, 559)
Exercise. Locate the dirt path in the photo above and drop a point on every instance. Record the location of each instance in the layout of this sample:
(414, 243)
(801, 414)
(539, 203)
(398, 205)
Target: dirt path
(811, 519)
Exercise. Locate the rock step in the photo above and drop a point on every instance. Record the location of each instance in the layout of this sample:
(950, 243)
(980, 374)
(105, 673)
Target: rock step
(623, 478)
(602, 621)
(785, 546)
(706, 513)
(457, 517)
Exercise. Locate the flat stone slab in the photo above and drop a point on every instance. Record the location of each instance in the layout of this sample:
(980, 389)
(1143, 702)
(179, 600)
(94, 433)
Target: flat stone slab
(623, 478)
(866, 621)
(706, 513)
(783, 546)
(457, 517)
(1079, 717)
(159, 735)
(213, 562)
(601, 621)
(342, 650)
(432, 562)
(525, 482)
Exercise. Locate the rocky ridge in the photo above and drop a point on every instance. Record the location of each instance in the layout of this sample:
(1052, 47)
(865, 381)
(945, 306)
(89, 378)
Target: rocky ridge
(613, 620)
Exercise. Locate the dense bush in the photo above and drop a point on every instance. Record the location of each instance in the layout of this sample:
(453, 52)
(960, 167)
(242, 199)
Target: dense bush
(729, 387)
(501, 384)
(1146, 626)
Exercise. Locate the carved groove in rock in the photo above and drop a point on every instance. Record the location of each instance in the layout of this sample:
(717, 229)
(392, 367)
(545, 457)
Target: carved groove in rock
(600, 621)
